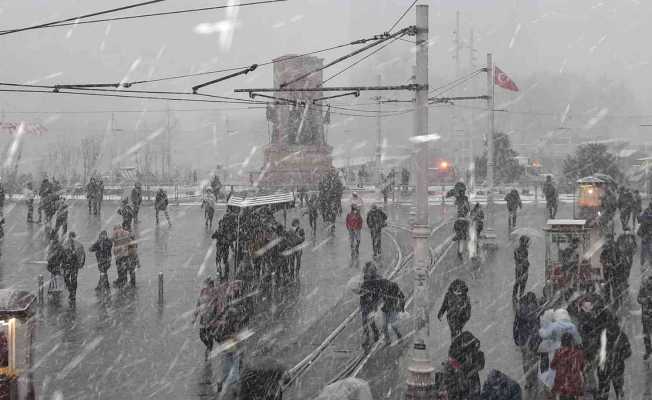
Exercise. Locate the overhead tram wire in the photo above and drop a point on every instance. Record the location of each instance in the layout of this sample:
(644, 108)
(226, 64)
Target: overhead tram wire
(94, 21)
(61, 21)
(402, 15)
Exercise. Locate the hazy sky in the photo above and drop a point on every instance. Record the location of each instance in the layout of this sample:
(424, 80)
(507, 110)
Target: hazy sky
(590, 38)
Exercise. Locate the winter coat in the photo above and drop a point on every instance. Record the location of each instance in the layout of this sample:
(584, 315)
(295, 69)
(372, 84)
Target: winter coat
(526, 326)
(370, 293)
(645, 300)
(353, 221)
(609, 255)
(74, 256)
(645, 229)
(513, 200)
(393, 297)
(102, 249)
(638, 203)
(521, 260)
(127, 213)
(568, 364)
(618, 350)
(626, 201)
(55, 258)
(550, 193)
(136, 196)
(499, 386)
(120, 242)
(161, 200)
(465, 361)
(551, 334)
(376, 219)
(456, 307)
(626, 246)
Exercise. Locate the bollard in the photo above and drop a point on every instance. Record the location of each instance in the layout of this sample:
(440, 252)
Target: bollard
(41, 289)
(160, 287)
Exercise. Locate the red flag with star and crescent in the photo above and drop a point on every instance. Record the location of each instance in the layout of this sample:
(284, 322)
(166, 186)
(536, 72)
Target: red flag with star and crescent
(501, 79)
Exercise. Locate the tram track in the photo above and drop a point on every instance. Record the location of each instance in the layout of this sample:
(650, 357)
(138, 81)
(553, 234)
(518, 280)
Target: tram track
(355, 364)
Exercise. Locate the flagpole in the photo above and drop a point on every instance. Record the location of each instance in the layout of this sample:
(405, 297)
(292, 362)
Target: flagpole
(490, 233)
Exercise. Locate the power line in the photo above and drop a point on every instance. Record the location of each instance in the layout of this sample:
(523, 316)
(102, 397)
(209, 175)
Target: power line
(133, 111)
(403, 15)
(61, 21)
(185, 11)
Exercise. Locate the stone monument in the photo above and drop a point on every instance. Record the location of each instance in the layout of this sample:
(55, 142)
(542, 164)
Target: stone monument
(297, 154)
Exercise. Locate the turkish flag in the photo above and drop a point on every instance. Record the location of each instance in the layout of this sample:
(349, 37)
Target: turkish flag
(501, 79)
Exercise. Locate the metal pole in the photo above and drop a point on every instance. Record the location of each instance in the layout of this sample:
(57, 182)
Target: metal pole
(379, 139)
(420, 379)
(490, 234)
(160, 287)
(41, 289)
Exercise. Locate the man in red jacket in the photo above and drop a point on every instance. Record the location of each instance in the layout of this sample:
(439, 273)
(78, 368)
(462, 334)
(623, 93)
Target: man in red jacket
(568, 364)
(354, 225)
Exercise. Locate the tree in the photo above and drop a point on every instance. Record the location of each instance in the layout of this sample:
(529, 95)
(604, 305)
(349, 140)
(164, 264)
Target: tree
(90, 153)
(589, 159)
(507, 167)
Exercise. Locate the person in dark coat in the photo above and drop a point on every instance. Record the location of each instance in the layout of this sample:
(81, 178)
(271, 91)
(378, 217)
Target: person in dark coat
(91, 196)
(29, 194)
(136, 199)
(612, 371)
(637, 209)
(376, 221)
(61, 216)
(370, 296)
(298, 236)
(613, 270)
(221, 252)
(74, 258)
(456, 306)
(499, 386)
(161, 205)
(393, 304)
(526, 335)
(102, 249)
(354, 226)
(465, 361)
(626, 203)
(552, 197)
(625, 248)
(127, 214)
(568, 364)
(645, 233)
(513, 200)
(644, 298)
(477, 217)
(43, 192)
(522, 265)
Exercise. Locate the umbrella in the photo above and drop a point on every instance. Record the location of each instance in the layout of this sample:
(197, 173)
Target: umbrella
(263, 380)
(608, 179)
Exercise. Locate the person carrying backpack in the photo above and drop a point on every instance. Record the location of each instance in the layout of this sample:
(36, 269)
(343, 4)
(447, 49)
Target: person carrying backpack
(393, 304)
(462, 372)
(376, 221)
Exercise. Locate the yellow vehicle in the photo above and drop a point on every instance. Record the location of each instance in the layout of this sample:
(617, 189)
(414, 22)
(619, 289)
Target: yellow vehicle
(589, 194)
(572, 256)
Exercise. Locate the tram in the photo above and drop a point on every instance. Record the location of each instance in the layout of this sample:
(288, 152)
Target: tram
(589, 194)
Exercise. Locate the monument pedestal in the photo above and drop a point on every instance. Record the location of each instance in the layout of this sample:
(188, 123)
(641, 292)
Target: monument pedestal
(293, 166)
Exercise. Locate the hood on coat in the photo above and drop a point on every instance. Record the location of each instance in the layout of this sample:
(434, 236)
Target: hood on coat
(458, 285)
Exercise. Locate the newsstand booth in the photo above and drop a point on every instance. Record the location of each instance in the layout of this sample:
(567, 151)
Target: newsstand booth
(16, 332)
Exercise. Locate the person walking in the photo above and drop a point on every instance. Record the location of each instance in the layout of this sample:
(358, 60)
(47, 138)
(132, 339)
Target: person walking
(644, 298)
(477, 218)
(393, 304)
(29, 194)
(121, 241)
(611, 371)
(55, 259)
(91, 196)
(522, 265)
(161, 205)
(208, 204)
(74, 258)
(456, 306)
(133, 263)
(136, 200)
(376, 221)
(61, 216)
(552, 197)
(645, 233)
(513, 200)
(526, 334)
(298, 238)
(625, 248)
(102, 249)
(370, 295)
(354, 226)
(637, 209)
(127, 214)
(568, 364)
(43, 192)
(626, 203)
(313, 213)
(613, 273)
(205, 310)
(462, 371)
(222, 245)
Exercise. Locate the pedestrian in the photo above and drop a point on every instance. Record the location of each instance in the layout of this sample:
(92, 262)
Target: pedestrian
(43, 192)
(568, 364)
(61, 216)
(513, 200)
(645, 233)
(91, 196)
(526, 335)
(205, 310)
(102, 249)
(637, 209)
(208, 204)
(354, 226)
(133, 263)
(499, 386)
(522, 265)
(456, 306)
(625, 249)
(298, 238)
(462, 372)
(74, 258)
(222, 245)
(393, 304)
(608, 208)
(216, 186)
(376, 221)
(370, 295)
(356, 201)
(614, 273)
(55, 258)
(611, 370)
(127, 214)
(644, 298)
(477, 218)
(29, 194)
(313, 213)
(2, 198)
(121, 241)
(552, 197)
(136, 200)
(161, 205)
(100, 195)
(626, 204)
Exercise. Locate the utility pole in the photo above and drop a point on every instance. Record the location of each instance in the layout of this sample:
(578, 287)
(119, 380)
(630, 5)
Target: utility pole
(420, 380)
(490, 233)
(472, 119)
(379, 139)
(168, 150)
